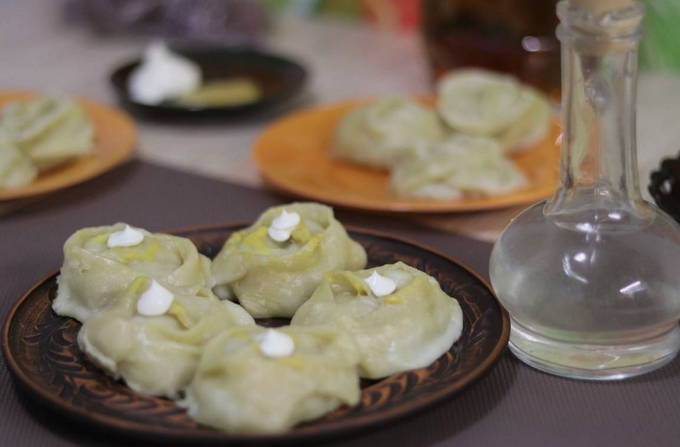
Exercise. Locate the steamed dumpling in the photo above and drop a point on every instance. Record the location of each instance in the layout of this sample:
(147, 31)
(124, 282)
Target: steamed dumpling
(480, 102)
(156, 354)
(261, 380)
(271, 276)
(16, 168)
(376, 133)
(95, 275)
(463, 165)
(399, 316)
(530, 128)
(25, 120)
(49, 129)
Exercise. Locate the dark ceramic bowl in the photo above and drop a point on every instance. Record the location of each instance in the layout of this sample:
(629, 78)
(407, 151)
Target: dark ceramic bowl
(664, 186)
(278, 78)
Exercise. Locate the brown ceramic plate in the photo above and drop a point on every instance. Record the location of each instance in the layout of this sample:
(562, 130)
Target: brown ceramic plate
(293, 156)
(115, 137)
(41, 351)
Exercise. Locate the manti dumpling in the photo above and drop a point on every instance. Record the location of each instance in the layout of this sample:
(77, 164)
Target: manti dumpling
(462, 165)
(49, 129)
(16, 168)
(274, 265)
(530, 128)
(480, 102)
(101, 262)
(374, 134)
(267, 380)
(153, 338)
(399, 316)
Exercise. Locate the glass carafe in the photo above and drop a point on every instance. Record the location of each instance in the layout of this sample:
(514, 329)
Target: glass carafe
(591, 277)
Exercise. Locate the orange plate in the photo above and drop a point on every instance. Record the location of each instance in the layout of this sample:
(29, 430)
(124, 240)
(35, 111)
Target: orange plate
(115, 137)
(293, 156)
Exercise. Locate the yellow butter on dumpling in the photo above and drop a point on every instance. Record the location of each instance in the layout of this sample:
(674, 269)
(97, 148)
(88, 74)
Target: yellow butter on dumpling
(101, 262)
(399, 316)
(49, 129)
(376, 133)
(153, 338)
(258, 380)
(16, 168)
(274, 265)
(462, 165)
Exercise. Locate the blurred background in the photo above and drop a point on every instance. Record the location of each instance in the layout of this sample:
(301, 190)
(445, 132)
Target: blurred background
(508, 35)
(350, 49)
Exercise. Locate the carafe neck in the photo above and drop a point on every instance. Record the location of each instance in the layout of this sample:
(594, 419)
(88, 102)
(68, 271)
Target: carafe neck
(599, 76)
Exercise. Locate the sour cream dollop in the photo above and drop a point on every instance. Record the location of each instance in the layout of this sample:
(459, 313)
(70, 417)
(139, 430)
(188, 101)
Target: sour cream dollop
(163, 75)
(127, 237)
(276, 344)
(283, 225)
(380, 285)
(156, 300)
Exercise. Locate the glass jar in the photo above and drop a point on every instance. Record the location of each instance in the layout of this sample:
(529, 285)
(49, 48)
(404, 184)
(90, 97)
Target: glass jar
(591, 277)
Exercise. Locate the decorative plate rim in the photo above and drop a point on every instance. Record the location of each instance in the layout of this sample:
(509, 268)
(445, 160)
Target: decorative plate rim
(379, 419)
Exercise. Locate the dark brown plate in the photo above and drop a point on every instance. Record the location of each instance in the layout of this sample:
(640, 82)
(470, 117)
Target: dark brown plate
(41, 351)
(279, 79)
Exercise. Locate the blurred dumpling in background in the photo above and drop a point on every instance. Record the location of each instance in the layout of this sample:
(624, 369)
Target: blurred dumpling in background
(16, 168)
(530, 128)
(273, 266)
(153, 338)
(376, 133)
(100, 263)
(479, 102)
(260, 380)
(49, 129)
(399, 316)
(462, 165)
